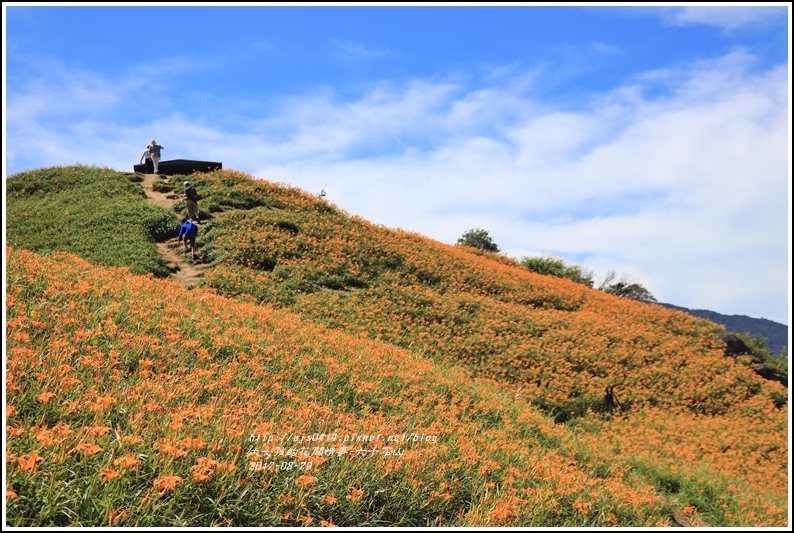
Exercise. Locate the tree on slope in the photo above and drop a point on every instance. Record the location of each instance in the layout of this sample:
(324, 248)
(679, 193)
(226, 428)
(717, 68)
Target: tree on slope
(625, 288)
(480, 239)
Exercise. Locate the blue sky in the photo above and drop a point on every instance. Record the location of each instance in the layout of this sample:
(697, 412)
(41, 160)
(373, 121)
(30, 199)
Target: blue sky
(650, 140)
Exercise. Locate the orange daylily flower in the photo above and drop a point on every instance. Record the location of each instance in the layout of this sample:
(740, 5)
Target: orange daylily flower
(167, 483)
(305, 480)
(108, 474)
(45, 396)
(127, 461)
(89, 449)
(355, 494)
(30, 461)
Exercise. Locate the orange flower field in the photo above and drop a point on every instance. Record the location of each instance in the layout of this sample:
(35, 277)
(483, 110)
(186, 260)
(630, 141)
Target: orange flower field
(332, 372)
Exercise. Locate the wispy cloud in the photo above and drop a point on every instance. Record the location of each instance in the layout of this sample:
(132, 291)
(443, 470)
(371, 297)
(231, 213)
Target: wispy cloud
(44, 96)
(725, 17)
(729, 18)
(604, 48)
(262, 44)
(358, 50)
(684, 189)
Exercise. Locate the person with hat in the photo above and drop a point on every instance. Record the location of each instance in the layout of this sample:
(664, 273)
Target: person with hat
(154, 154)
(191, 200)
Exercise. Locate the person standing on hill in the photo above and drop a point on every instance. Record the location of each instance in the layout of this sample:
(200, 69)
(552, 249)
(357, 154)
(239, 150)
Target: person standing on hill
(188, 231)
(154, 154)
(191, 200)
(610, 400)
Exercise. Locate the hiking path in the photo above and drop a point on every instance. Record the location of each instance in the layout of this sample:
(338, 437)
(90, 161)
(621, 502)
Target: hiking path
(184, 269)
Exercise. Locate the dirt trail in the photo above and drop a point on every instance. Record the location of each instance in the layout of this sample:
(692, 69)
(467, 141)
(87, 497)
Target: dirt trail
(184, 269)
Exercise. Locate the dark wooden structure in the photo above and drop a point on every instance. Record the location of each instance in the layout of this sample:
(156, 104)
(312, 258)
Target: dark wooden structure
(178, 166)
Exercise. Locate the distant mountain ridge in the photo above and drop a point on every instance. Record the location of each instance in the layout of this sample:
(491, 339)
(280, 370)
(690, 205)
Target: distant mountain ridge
(775, 333)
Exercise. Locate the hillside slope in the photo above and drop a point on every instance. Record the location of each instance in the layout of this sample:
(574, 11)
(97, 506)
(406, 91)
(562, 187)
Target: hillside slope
(133, 401)
(94, 212)
(774, 333)
(697, 426)
(562, 342)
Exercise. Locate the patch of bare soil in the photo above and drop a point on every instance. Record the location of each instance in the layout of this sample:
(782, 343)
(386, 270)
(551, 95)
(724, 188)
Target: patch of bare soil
(184, 269)
(681, 518)
(163, 199)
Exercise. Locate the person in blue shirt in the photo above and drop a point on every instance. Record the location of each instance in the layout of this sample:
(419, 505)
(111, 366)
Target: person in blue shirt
(188, 231)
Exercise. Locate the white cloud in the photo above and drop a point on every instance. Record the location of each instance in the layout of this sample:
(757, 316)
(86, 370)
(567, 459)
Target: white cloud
(358, 50)
(686, 192)
(262, 45)
(61, 93)
(604, 48)
(726, 17)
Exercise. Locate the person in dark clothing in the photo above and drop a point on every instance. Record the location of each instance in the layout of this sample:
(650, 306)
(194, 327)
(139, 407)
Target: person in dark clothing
(610, 400)
(188, 231)
(191, 199)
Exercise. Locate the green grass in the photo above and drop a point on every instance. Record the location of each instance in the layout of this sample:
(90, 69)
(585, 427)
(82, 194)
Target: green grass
(96, 213)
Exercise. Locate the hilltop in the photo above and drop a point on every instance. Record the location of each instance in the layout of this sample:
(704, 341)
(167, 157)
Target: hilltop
(311, 321)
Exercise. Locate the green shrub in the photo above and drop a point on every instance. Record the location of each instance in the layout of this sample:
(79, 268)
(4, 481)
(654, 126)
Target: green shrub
(554, 266)
(761, 353)
(163, 186)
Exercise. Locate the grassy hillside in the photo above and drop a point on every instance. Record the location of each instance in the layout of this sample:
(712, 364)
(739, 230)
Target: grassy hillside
(134, 398)
(96, 213)
(320, 322)
(562, 342)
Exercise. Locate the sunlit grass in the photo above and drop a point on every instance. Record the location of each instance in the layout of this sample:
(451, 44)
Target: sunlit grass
(94, 212)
